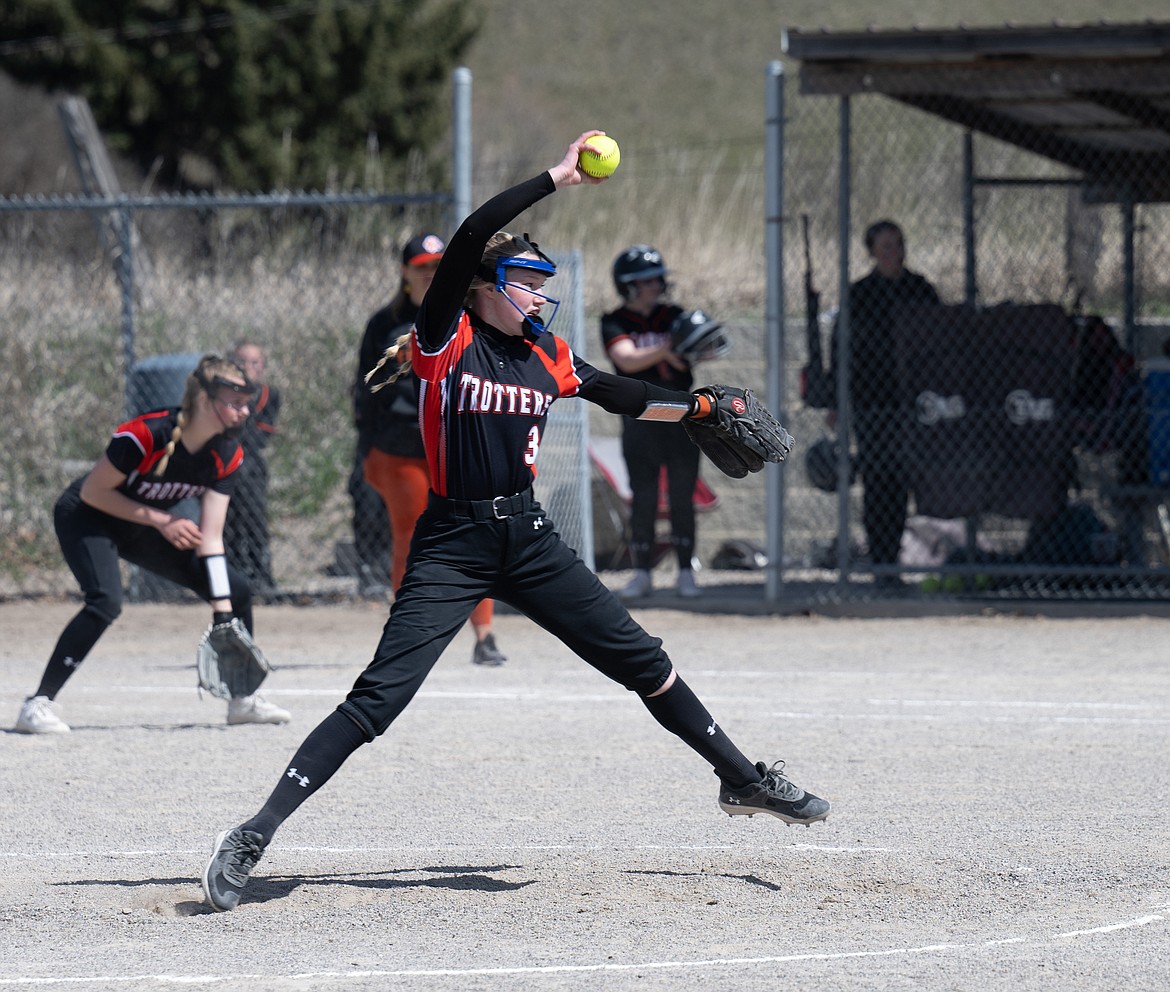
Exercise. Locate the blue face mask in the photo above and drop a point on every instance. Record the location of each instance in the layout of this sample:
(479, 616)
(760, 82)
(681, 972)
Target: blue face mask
(542, 265)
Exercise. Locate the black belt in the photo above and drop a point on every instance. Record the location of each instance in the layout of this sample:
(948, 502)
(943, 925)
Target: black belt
(482, 510)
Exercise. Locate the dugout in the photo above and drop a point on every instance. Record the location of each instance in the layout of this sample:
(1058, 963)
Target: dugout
(1090, 103)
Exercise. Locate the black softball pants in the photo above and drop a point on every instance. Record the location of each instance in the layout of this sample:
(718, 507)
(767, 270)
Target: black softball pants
(455, 561)
(647, 447)
(92, 543)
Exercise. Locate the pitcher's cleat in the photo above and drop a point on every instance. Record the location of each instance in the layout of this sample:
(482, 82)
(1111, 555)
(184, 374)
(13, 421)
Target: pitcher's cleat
(235, 854)
(255, 709)
(773, 795)
(37, 717)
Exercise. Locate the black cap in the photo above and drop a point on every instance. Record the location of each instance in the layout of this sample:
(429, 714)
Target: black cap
(423, 248)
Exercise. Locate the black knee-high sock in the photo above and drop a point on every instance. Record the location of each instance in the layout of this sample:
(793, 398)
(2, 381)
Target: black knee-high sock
(75, 642)
(319, 756)
(680, 711)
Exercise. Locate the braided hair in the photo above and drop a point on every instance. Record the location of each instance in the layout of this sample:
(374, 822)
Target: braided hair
(500, 245)
(398, 345)
(210, 367)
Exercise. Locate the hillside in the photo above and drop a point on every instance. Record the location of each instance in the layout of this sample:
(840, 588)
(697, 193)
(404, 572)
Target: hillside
(663, 76)
(673, 75)
(679, 83)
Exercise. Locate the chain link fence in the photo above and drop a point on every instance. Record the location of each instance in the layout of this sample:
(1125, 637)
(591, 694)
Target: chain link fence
(993, 419)
(1006, 437)
(91, 337)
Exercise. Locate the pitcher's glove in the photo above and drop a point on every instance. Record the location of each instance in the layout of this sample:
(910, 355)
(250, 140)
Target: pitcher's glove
(739, 434)
(228, 661)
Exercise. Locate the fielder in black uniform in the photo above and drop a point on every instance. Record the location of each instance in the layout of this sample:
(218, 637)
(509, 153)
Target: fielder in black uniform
(488, 371)
(637, 337)
(120, 510)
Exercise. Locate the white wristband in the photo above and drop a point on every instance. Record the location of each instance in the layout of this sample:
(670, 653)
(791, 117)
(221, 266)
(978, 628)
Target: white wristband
(217, 577)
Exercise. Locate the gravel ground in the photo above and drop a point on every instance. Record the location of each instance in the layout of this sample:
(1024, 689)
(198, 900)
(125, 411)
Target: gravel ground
(1000, 790)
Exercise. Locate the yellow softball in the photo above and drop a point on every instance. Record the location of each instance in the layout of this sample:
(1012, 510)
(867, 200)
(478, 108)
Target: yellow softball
(600, 156)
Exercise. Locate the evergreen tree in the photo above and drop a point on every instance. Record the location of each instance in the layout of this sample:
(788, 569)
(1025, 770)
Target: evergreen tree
(250, 94)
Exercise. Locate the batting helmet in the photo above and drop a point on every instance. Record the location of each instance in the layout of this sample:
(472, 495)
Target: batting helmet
(697, 337)
(636, 262)
(820, 464)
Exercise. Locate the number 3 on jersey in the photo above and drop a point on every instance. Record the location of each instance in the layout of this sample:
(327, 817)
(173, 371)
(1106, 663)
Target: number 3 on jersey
(533, 446)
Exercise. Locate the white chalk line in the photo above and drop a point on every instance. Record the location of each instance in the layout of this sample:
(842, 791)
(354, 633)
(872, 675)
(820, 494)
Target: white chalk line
(461, 849)
(511, 695)
(608, 967)
(985, 704)
(1113, 721)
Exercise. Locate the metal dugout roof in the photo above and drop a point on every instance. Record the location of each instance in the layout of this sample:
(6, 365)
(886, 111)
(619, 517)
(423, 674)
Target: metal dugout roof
(1095, 98)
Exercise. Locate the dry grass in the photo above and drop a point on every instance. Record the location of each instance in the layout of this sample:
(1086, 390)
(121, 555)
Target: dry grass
(305, 285)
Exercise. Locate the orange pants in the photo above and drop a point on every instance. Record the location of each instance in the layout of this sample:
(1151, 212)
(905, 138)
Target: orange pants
(403, 484)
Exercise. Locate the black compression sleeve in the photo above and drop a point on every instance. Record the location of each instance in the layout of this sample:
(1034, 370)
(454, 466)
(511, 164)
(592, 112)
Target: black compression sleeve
(621, 394)
(464, 251)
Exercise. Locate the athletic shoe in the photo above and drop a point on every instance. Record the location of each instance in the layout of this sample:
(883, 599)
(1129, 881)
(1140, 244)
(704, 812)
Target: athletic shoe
(686, 584)
(235, 854)
(255, 709)
(774, 795)
(486, 653)
(638, 586)
(37, 717)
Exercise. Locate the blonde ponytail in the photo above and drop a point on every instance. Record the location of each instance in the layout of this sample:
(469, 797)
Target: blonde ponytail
(401, 343)
(161, 465)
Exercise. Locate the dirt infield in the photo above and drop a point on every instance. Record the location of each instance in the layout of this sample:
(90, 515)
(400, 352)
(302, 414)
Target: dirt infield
(1000, 790)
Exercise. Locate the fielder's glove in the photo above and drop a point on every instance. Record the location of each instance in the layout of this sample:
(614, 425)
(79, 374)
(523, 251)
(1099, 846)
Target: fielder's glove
(739, 434)
(228, 661)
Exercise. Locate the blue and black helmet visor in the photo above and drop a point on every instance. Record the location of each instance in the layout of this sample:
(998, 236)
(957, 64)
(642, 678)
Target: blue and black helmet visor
(543, 265)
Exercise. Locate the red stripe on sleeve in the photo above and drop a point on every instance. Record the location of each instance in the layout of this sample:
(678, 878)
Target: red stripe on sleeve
(561, 368)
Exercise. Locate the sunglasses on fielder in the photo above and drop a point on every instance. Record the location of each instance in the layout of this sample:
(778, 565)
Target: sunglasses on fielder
(238, 402)
(237, 395)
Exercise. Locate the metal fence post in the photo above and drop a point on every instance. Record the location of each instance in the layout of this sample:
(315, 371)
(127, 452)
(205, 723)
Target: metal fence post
(970, 288)
(461, 147)
(844, 414)
(126, 282)
(774, 318)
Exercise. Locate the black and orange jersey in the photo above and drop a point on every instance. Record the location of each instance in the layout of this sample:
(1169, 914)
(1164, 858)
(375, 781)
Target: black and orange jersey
(387, 419)
(647, 331)
(484, 395)
(483, 404)
(137, 446)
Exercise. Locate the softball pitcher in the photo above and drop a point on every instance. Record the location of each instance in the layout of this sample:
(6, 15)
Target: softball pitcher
(488, 370)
